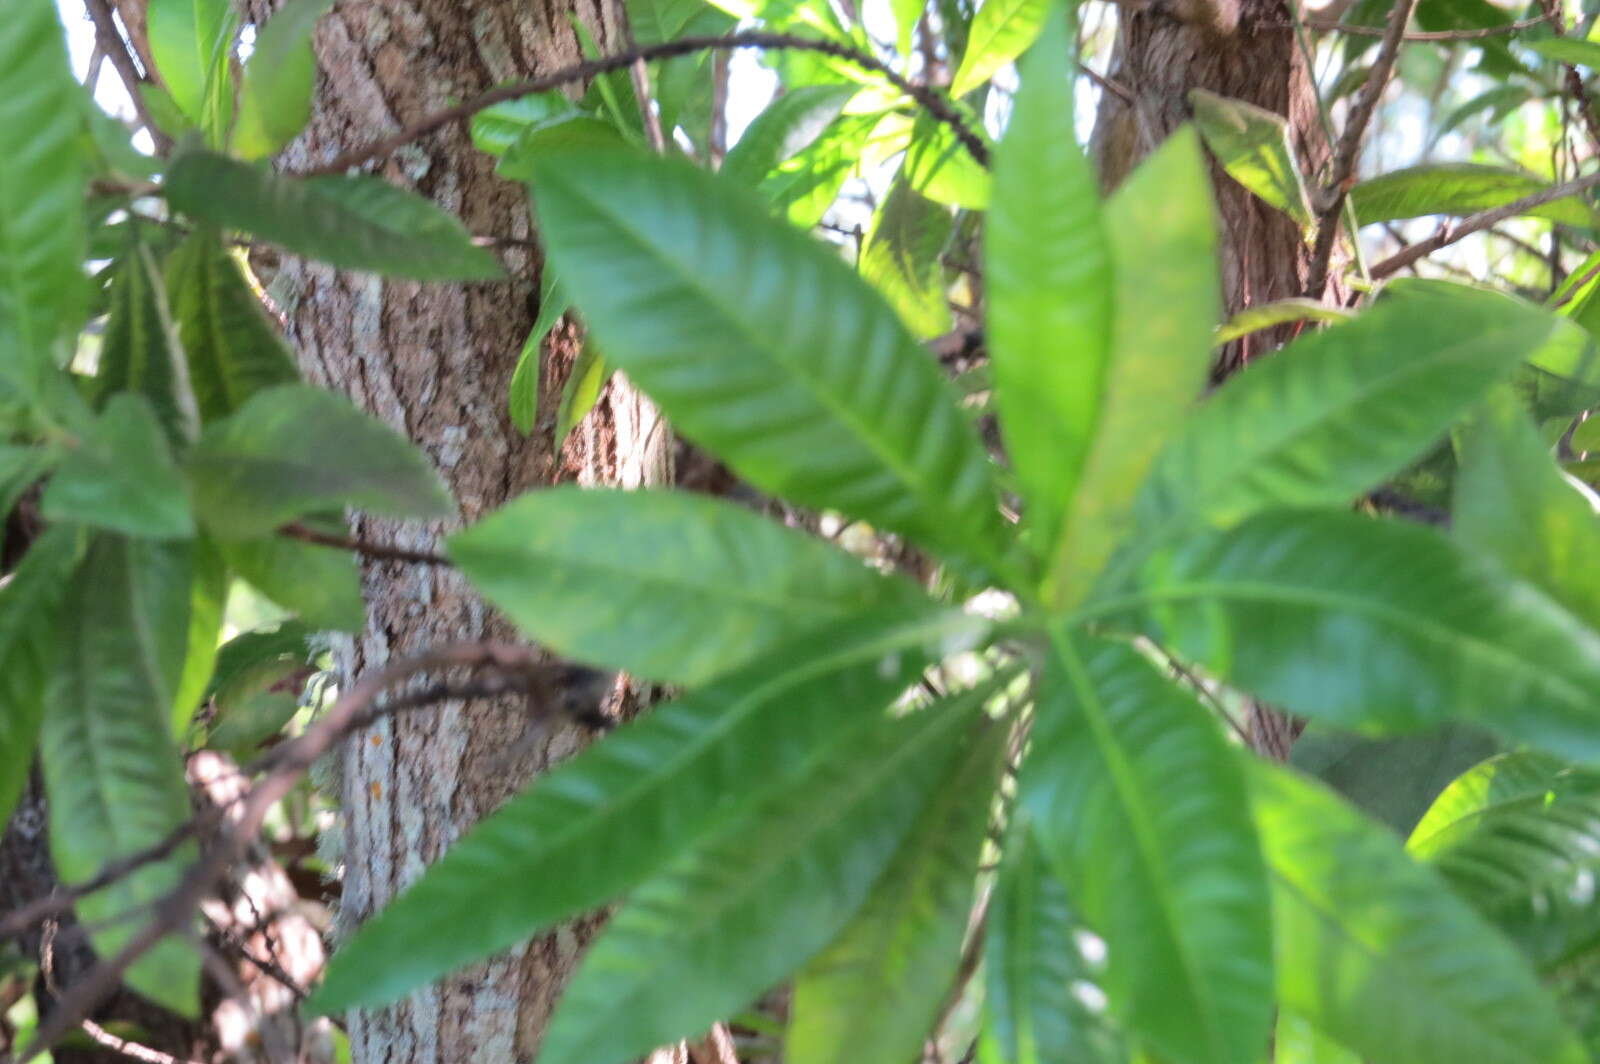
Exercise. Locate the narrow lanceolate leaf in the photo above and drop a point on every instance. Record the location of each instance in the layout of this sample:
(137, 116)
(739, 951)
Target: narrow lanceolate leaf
(122, 477)
(1034, 970)
(670, 586)
(1457, 188)
(1375, 951)
(1514, 503)
(190, 41)
(730, 918)
(320, 585)
(1277, 312)
(1519, 838)
(1568, 50)
(593, 828)
(42, 173)
(1253, 145)
(208, 596)
(1341, 409)
(1051, 288)
(1163, 241)
(1378, 626)
(790, 124)
(31, 631)
(232, 349)
(1140, 804)
(941, 168)
(275, 100)
(902, 258)
(359, 223)
(1001, 31)
(296, 450)
(141, 352)
(763, 346)
(876, 992)
(112, 773)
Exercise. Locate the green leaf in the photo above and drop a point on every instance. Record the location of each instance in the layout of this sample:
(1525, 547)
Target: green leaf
(250, 650)
(1568, 50)
(1457, 188)
(113, 776)
(1033, 965)
(1343, 408)
(901, 258)
(1163, 243)
(1050, 286)
(716, 310)
(296, 450)
(1393, 780)
(141, 352)
(523, 403)
(208, 598)
(581, 390)
(190, 41)
(876, 992)
(1515, 504)
(1001, 31)
(1378, 626)
(320, 585)
(1377, 953)
(358, 223)
(275, 100)
(122, 477)
(1519, 838)
(789, 125)
(941, 168)
(594, 827)
(1278, 312)
(734, 915)
(31, 629)
(244, 726)
(669, 585)
(42, 177)
(1253, 145)
(1139, 803)
(654, 21)
(494, 130)
(1296, 1041)
(564, 133)
(233, 350)
(21, 468)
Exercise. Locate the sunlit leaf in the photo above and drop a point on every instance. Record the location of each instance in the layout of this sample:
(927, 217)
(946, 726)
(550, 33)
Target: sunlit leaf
(581, 390)
(1278, 312)
(1253, 145)
(190, 41)
(275, 99)
(902, 258)
(208, 598)
(1568, 50)
(1457, 188)
(1001, 31)
(789, 125)
(1392, 779)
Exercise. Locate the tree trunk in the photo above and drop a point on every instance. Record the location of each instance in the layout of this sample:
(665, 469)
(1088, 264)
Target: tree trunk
(1244, 50)
(435, 361)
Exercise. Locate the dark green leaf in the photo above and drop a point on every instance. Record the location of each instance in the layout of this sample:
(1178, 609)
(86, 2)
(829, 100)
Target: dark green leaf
(716, 310)
(1001, 31)
(593, 828)
(789, 125)
(31, 630)
(1377, 953)
(320, 585)
(245, 725)
(901, 258)
(1457, 188)
(42, 176)
(21, 468)
(233, 350)
(358, 223)
(1380, 626)
(295, 450)
(122, 477)
(1050, 282)
(113, 775)
(1033, 967)
(236, 657)
(731, 917)
(669, 585)
(275, 100)
(1163, 243)
(1139, 803)
(876, 992)
(141, 352)
(1253, 145)
(190, 41)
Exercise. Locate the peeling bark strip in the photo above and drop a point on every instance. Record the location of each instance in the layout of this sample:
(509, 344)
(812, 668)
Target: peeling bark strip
(435, 362)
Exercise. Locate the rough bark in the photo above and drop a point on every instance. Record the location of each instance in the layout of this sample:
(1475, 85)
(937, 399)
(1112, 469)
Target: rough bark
(435, 362)
(1240, 49)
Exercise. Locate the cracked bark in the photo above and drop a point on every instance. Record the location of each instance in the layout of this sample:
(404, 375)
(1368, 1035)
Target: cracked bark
(435, 362)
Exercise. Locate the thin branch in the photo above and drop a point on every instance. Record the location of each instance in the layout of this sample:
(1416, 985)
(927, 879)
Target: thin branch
(1348, 150)
(116, 49)
(1450, 232)
(380, 551)
(1574, 80)
(1323, 25)
(936, 104)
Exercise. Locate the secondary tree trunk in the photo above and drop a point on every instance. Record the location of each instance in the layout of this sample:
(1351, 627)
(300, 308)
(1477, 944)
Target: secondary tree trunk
(435, 361)
(1241, 49)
